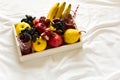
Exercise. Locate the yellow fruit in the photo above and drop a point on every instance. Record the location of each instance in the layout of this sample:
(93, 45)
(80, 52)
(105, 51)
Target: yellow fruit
(40, 44)
(52, 12)
(21, 26)
(71, 35)
(66, 11)
(60, 10)
(52, 28)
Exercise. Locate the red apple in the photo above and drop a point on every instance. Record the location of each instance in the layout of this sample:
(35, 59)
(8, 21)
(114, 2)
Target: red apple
(35, 21)
(42, 19)
(47, 34)
(40, 27)
(55, 41)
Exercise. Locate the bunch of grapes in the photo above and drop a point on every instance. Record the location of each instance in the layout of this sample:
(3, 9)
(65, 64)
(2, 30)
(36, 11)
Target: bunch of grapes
(59, 25)
(28, 19)
(32, 32)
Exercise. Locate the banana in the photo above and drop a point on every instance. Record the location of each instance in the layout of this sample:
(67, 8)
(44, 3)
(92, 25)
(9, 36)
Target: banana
(53, 10)
(66, 11)
(60, 10)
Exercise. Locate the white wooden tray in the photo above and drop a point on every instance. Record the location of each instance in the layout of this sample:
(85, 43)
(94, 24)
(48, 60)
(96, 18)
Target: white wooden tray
(46, 52)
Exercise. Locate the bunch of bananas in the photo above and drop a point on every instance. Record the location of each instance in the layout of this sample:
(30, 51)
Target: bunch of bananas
(59, 11)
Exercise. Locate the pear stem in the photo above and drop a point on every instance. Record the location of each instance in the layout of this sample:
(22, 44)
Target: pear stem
(83, 31)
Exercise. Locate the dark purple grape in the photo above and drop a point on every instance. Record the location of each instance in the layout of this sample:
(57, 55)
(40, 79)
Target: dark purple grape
(33, 32)
(28, 19)
(60, 26)
(24, 20)
(56, 20)
(33, 38)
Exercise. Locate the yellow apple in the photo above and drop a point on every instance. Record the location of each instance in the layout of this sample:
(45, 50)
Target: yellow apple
(40, 44)
(21, 26)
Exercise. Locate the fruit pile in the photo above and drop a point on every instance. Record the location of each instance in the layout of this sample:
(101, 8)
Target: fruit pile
(57, 29)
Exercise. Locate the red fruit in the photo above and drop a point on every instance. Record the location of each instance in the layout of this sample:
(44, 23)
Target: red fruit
(70, 25)
(40, 27)
(55, 41)
(35, 21)
(47, 22)
(47, 34)
(42, 19)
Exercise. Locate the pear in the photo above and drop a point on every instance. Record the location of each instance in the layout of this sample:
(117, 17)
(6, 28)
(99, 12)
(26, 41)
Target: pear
(71, 36)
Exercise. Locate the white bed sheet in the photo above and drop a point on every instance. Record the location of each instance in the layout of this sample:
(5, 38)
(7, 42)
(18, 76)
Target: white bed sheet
(99, 59)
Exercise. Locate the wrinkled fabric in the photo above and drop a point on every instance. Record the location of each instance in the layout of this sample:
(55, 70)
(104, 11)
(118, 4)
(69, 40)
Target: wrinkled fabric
(98, 59)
